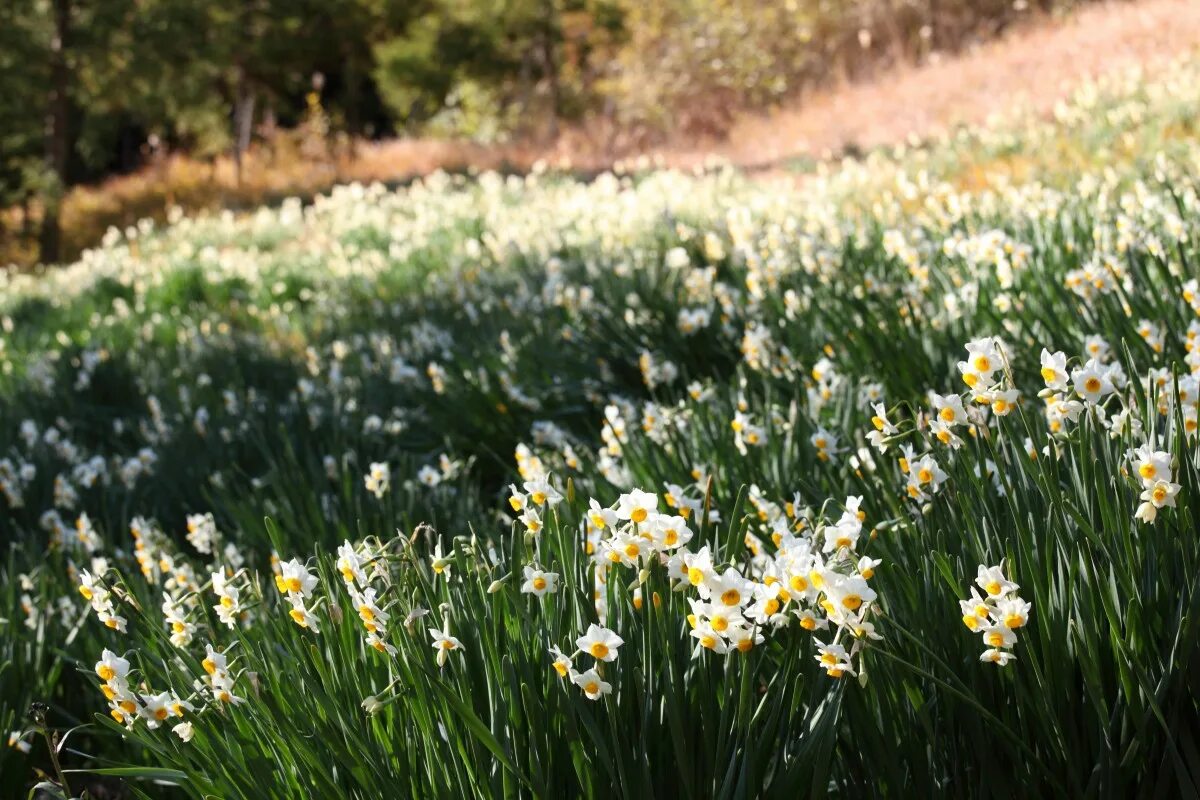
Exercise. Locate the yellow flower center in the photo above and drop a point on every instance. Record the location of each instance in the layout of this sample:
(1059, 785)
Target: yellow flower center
(638, 515)
(598, 650)
(561, 668)
(105, 672)
(591, 687)
(993, 587)
(1013, 621)
(695, 576)
(1147, 471)
(852, 601)
(731, 597)
(924, 475)
(539, 583)
(1092, 385)
(298, 616)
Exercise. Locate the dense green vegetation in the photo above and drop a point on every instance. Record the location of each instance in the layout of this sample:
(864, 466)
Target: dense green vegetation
(655, 485)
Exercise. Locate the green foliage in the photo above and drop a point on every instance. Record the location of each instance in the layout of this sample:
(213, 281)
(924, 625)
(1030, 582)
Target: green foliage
(259, 368)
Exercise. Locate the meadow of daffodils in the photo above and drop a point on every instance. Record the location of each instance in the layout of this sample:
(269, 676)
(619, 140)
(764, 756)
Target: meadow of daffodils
(656, 485)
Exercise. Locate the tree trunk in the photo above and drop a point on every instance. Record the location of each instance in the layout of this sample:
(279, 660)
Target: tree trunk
(57, 137)
(243, 122)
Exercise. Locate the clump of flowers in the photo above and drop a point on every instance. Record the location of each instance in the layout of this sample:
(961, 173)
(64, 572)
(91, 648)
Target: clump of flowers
(996, 614)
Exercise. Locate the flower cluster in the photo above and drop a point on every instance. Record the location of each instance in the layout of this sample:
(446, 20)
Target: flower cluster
(353, 563)
(296, 583)
(127, 706)
(996, 615)
(601, 644)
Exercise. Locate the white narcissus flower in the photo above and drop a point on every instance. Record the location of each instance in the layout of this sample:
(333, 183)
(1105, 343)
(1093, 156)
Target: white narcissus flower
(378, 479)
(16, 742)
(601, 518)
(949, 409)
(1151, 465)
(1003, 402)
(111, 666)
(833, 658)
(594, 687)
(184, 731)
(443, 642)
(730, 588)
(992, 581)
(540, 492)
(301, 615)
(562, 663)
(708, 638)
(350, 564)
(600, 643)
(1054, 370)
(1161, 494)
(1092, 382)
(637, 505)
(214, 660)
(539, 582)
(743, 638)
(295, 579)
(429, 476)
(155, 709)
(998, 657)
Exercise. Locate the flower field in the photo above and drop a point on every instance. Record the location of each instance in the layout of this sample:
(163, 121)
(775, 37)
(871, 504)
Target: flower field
(652, 485)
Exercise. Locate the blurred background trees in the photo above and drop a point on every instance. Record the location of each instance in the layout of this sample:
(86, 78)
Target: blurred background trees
(91, 88)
